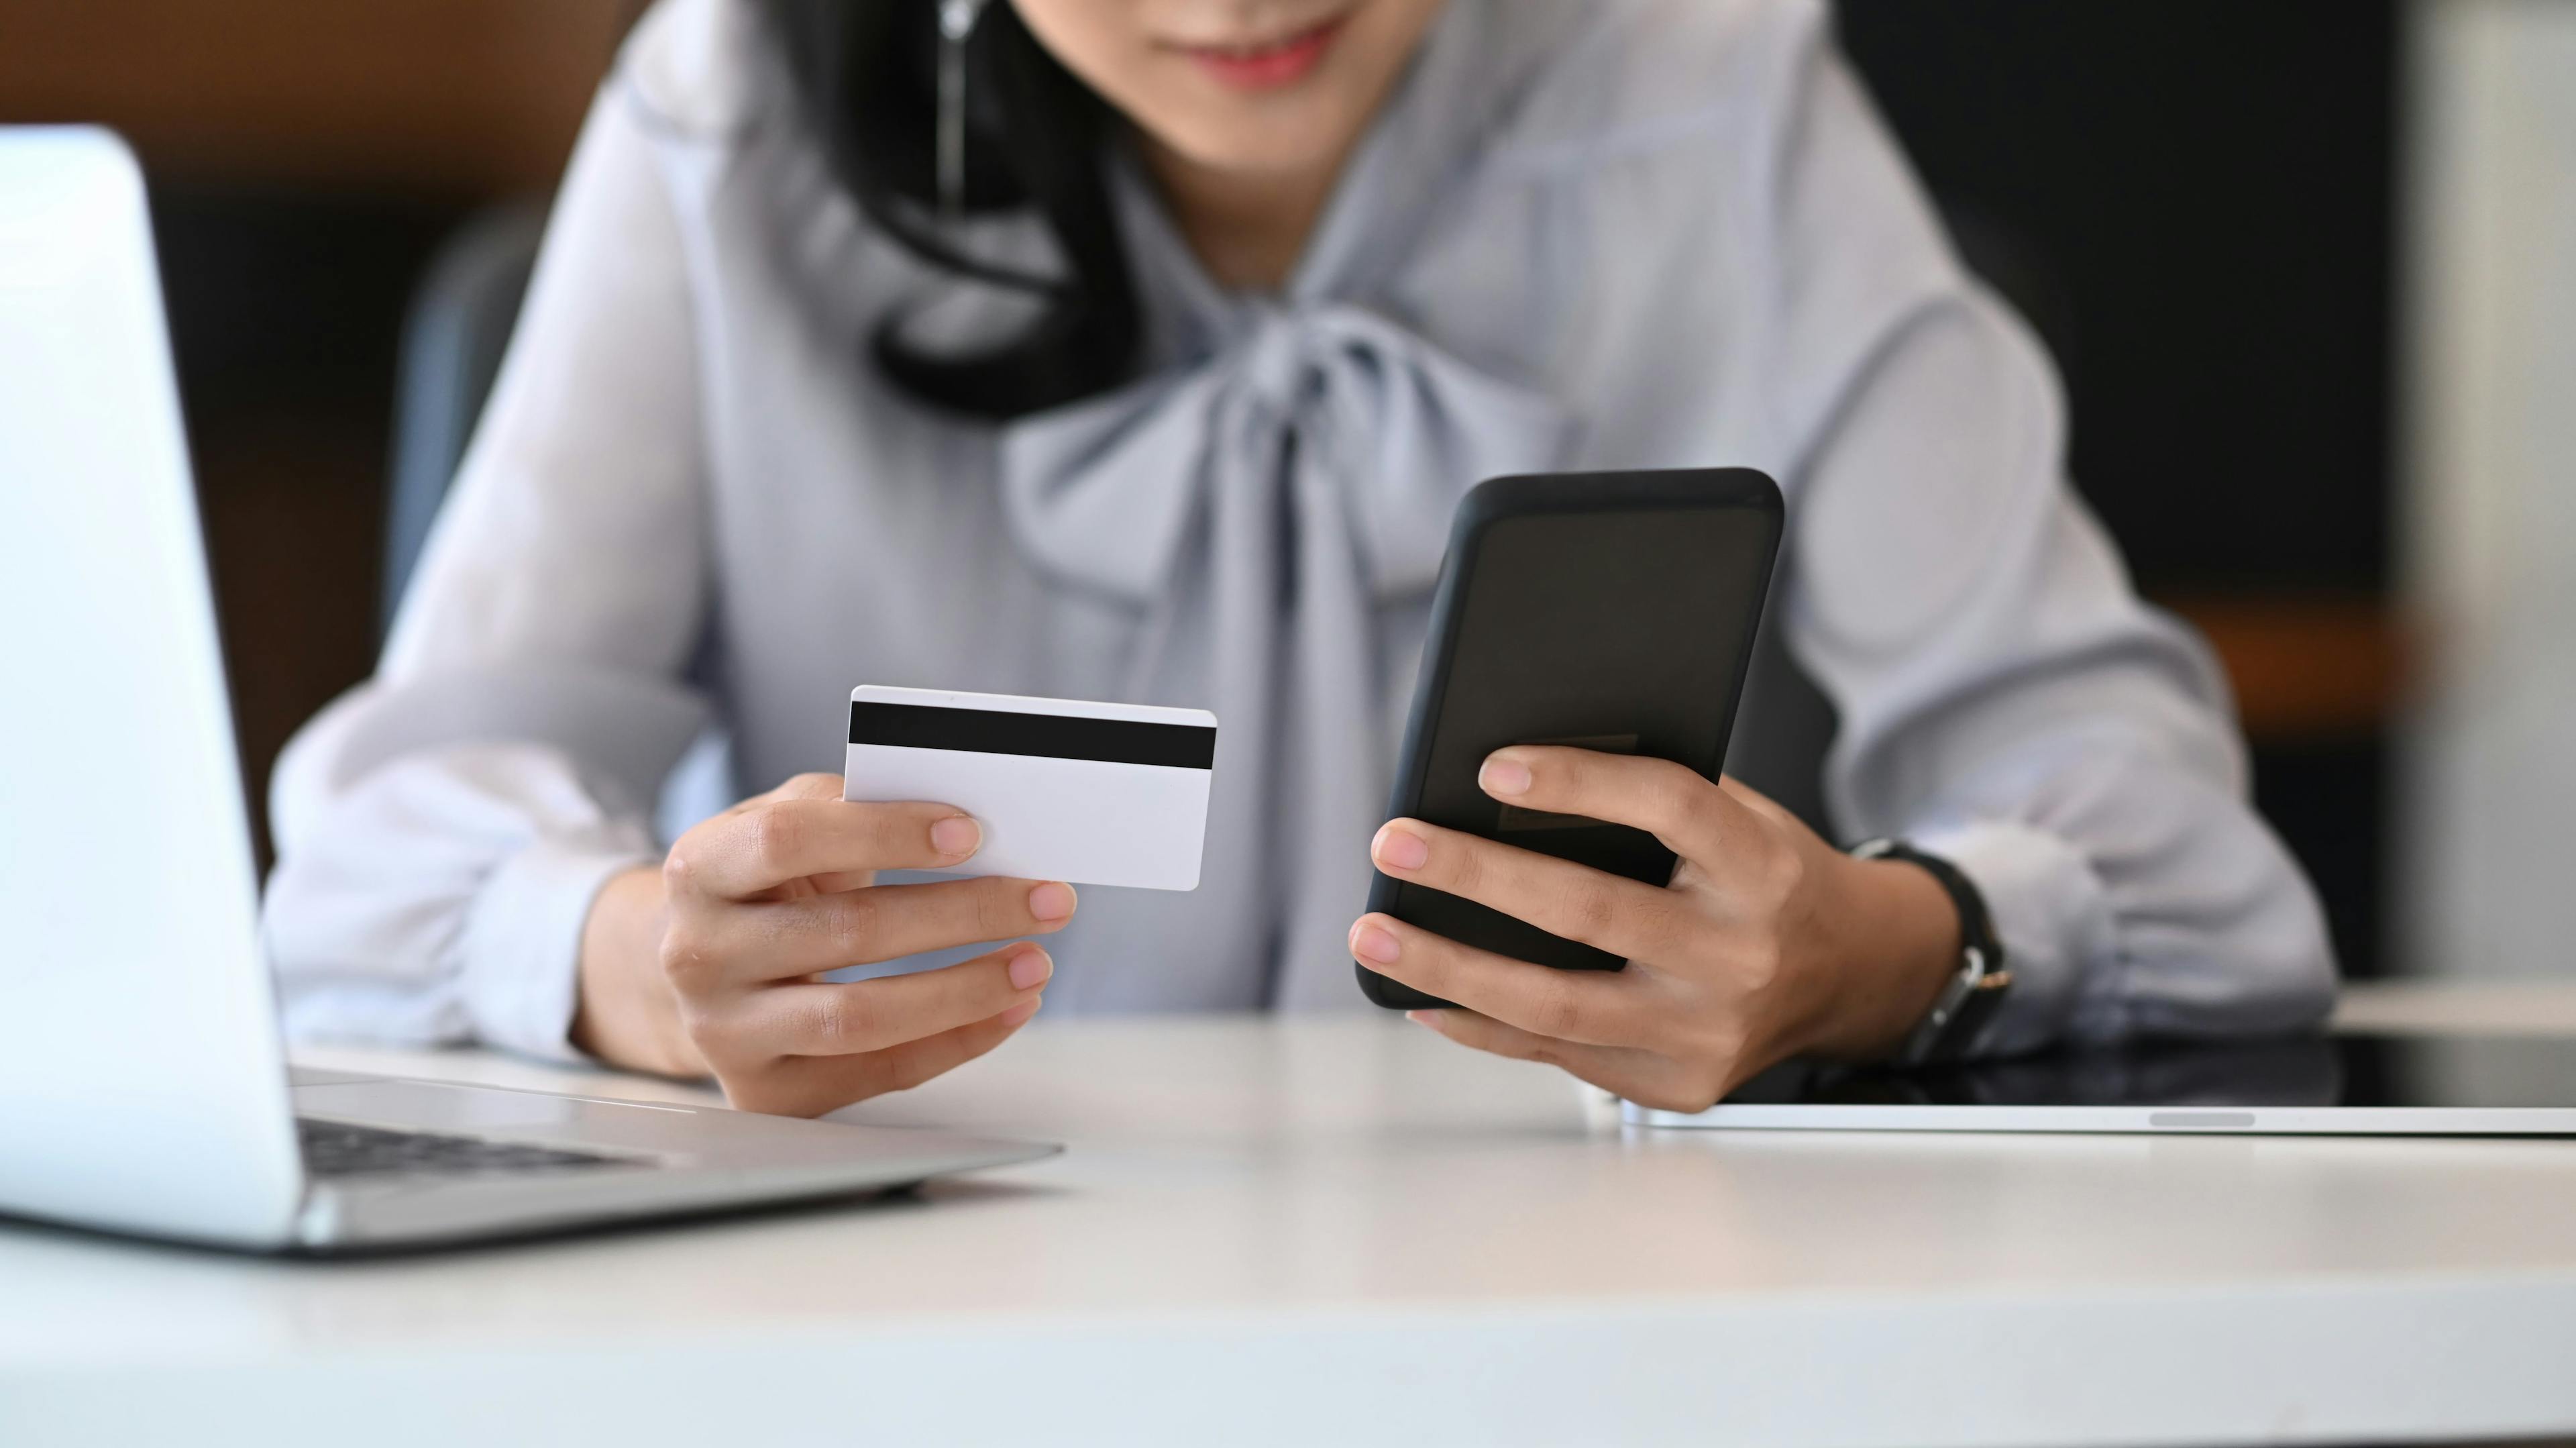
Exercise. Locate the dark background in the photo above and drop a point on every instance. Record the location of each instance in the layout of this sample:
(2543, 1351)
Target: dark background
(2209, 186)
(2192, 199)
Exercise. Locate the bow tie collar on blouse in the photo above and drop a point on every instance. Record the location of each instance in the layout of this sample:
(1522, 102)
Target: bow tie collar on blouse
(1368, 433)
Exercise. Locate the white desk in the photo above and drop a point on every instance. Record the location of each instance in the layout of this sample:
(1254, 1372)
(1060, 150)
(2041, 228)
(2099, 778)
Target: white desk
(1346, 1232)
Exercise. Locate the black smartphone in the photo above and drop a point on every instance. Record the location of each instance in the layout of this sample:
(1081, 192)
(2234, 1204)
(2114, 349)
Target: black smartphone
(1609, 611)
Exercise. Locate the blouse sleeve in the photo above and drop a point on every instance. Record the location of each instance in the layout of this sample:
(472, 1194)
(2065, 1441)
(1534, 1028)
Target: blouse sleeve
(2005, 699)
(443, 828)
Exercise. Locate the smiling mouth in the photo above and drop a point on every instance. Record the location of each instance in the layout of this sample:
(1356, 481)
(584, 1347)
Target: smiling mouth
(1266, 64)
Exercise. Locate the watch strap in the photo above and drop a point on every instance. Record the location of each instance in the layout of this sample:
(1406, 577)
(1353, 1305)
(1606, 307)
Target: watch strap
(1970, 997)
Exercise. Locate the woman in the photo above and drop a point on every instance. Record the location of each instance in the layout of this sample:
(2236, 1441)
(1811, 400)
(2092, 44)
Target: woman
(1156, 377)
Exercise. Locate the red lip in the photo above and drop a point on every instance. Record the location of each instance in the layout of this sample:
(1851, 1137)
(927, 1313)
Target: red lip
(1270, 65)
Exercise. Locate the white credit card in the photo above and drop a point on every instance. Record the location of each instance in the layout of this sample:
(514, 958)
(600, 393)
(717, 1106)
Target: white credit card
(1065, 789)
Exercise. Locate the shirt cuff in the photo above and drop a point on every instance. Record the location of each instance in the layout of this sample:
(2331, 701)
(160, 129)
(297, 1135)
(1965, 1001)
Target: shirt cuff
(523, 937)
(2053, 917)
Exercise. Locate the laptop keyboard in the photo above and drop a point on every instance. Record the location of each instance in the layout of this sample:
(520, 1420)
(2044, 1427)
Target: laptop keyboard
(336, 1149)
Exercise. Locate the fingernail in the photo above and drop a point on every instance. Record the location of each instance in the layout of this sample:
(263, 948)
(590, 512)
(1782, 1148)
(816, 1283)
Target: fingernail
(1030, 968)
(1401, 849)
(1504, 776)
(1428, 1020)
(1372, 943)
(956, 835)
(1019, 1013)
(1051, 901)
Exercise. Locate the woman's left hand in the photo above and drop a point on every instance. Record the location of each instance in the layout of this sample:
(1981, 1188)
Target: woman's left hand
(1768, 943)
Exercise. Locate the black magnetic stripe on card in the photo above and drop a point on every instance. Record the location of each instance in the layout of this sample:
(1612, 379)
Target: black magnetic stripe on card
(1053, 736)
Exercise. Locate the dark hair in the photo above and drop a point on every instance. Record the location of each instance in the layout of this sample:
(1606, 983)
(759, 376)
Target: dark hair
(1036, 140)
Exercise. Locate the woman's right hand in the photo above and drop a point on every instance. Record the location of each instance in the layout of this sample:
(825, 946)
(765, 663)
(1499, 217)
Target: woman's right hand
(711, 963)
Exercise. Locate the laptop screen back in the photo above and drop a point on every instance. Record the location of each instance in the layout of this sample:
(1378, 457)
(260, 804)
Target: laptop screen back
(143, 1077)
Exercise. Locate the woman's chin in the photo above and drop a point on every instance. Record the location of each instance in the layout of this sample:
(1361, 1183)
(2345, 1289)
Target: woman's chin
(1283, 133)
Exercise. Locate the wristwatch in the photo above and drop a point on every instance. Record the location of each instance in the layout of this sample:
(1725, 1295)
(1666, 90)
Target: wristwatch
(1969, 1000)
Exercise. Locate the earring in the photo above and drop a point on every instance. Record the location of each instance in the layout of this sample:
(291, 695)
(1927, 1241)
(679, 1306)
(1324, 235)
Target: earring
(956, 22)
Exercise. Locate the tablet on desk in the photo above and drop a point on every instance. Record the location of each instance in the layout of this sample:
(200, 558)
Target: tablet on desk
(2344, 1084)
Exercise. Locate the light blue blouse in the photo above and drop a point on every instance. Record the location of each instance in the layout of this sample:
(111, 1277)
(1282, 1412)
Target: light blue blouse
(1644, 233)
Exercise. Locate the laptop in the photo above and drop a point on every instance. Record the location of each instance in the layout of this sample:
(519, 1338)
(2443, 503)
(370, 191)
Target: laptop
(143, 1084)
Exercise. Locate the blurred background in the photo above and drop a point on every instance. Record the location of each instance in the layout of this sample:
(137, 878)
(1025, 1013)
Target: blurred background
(2309, 267)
